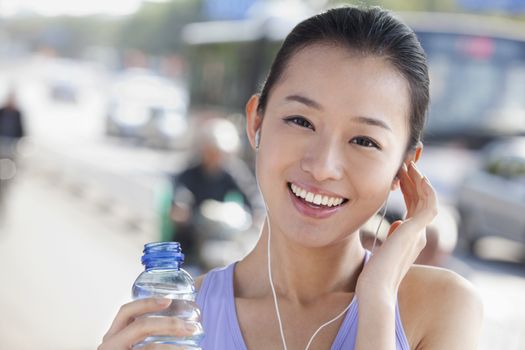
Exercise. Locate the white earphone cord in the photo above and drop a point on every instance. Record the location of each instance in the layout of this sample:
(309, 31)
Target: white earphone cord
(380, 222)
(275, 294)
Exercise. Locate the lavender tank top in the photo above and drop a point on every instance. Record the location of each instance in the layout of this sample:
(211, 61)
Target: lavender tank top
(221, 326)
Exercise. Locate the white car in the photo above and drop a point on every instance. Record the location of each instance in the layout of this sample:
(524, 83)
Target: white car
(492, 199)
(148, 108)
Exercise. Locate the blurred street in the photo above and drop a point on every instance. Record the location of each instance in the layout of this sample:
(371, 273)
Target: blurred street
(67, 267)
(78, 213)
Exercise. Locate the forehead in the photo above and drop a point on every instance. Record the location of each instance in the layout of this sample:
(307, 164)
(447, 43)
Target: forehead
(348, 83)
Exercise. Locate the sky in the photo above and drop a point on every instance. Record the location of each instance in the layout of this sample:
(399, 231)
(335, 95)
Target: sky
(70, 7)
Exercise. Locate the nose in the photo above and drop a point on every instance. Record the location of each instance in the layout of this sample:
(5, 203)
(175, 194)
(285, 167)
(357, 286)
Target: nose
(324, 161)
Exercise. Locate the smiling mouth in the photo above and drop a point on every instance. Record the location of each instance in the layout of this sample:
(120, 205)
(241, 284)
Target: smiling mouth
(316, 200)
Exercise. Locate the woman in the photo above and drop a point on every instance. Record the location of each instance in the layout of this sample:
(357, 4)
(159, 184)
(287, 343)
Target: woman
(336, 127)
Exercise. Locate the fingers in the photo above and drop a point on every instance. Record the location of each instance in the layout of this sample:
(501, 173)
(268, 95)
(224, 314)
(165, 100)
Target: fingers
(132, 325)
(416, 178)
(407, 189)
(419, 196)
(427, 204)
(417, 191)
(128, 312)
(144, 327)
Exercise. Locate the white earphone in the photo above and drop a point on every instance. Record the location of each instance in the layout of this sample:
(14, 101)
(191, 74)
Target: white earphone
(257, 138)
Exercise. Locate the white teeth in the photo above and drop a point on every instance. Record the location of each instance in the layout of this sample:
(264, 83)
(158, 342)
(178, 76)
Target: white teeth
(309, 197)
(316, 198)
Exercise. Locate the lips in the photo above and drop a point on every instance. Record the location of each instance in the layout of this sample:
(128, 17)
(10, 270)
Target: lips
(309, 208)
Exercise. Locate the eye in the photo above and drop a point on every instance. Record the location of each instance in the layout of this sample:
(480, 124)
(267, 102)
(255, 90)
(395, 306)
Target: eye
(365, 142)
(299, 121)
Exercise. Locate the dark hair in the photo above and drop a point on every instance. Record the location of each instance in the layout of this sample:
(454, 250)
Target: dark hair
(367, 31)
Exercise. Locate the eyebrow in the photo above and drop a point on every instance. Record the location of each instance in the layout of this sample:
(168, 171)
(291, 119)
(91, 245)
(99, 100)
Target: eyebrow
(304, 100)
(372, 121)
(361, 119)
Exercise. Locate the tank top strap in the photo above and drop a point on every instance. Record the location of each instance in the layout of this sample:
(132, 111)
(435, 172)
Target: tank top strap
(218, 315)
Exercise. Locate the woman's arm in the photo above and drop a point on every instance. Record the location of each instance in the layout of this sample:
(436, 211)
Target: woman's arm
(379, 282)
(376, 323)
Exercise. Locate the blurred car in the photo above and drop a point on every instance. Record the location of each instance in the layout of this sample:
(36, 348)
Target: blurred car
(148, 108)
(492, 198)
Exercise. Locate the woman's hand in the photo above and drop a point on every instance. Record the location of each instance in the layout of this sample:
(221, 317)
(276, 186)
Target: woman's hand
(129, 328)
(382, 275)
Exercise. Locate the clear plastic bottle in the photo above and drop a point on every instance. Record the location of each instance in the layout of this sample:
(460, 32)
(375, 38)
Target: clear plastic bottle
(164, 278)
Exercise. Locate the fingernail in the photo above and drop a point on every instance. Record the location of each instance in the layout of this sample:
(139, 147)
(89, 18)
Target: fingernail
(163, 301)
(413, 164)
(405, 167)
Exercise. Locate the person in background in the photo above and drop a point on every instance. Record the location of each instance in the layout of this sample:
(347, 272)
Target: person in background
(11, 131)
(11, 125)
(216, 174)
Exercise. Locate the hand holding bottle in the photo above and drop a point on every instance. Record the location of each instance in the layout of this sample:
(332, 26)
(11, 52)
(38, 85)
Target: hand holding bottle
(130, 326)
(164, 314)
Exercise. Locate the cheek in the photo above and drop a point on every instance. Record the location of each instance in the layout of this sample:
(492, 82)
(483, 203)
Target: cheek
(371, 180)
(276, 159)
(271, 160)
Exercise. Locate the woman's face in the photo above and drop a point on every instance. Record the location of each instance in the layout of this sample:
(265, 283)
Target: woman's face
(335, 125)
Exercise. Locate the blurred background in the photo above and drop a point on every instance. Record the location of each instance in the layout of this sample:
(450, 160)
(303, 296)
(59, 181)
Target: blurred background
(121, 123)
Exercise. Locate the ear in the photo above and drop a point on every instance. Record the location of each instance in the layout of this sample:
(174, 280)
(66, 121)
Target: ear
(412, 155)
(253, 119)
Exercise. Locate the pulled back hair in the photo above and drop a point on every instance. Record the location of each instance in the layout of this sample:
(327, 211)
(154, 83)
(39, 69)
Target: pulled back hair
(367, 32)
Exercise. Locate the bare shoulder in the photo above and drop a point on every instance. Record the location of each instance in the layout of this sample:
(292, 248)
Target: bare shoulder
(440, 307)
(439, 282)
(198, 281)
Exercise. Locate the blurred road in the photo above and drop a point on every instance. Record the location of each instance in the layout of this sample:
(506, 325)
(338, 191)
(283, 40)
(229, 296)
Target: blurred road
(65, 268)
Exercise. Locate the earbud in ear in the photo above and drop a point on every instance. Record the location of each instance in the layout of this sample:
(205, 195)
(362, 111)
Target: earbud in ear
(257, 139)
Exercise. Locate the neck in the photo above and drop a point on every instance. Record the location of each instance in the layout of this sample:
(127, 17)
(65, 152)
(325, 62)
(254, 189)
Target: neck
(303, 274)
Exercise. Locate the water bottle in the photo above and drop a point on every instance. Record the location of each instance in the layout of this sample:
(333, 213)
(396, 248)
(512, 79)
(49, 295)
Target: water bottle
(164, 278)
